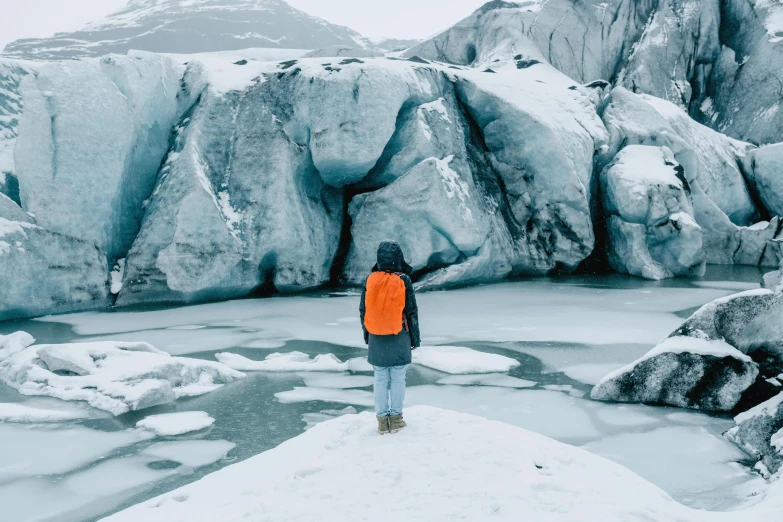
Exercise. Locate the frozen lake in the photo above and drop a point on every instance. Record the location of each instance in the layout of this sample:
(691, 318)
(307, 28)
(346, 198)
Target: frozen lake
(566, 333)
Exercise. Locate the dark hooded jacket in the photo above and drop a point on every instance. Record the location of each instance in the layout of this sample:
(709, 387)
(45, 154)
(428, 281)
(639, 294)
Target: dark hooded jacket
(393, 350)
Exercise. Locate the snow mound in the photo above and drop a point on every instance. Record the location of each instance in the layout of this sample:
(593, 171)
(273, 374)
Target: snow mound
(113, 376)
(446, 465)
(461, 360)
(285, 362)
(14, 343)
(170, 424)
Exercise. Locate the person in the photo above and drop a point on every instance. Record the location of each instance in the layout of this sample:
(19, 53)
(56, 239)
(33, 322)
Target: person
(390, 320)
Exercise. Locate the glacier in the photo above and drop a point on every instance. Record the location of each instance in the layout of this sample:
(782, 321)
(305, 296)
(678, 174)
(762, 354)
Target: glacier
(488, 151)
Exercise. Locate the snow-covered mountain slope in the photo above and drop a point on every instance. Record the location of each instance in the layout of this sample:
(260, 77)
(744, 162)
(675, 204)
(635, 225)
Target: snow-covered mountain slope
(720, 60)
(445, 465)
(192, 26)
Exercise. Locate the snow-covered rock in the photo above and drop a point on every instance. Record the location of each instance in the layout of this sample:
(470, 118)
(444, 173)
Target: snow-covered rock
(683, 371)
(285, 362)
(451, 465)
(649, 217)
(461, 360)
(45, 272)
(112, 376)
(191, 26)
(91, 140)
(758, 433)
(748, 321)
(180, 423)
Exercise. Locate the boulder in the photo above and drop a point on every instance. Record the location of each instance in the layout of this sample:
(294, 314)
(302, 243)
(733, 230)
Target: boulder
(749, 321)
(649, 217)
(685, 372)
(759, 433)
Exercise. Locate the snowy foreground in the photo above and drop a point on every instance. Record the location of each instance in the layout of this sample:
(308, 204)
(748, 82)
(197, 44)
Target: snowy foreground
(445, 466)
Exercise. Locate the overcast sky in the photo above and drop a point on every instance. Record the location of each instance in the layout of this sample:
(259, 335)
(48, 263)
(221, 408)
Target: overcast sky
(374, 18)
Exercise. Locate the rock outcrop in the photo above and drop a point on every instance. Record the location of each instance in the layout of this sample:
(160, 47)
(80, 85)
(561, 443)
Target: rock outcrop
(685, 372)
(759, 432)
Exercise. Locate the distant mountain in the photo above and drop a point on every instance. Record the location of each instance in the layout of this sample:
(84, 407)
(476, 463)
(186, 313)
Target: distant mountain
(192, 26)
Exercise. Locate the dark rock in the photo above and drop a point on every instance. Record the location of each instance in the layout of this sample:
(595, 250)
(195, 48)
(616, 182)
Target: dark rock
(759, 433)
(682, 372)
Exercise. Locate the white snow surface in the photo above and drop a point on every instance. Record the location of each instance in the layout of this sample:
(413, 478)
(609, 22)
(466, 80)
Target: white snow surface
(112, 376)
(170, 424)
(285, 362)
(445, 465)
(461, 360)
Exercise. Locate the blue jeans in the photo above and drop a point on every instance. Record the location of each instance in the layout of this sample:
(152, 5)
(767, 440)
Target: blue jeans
(389, 390)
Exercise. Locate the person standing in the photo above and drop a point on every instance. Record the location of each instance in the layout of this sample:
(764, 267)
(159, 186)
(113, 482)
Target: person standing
(390, 320)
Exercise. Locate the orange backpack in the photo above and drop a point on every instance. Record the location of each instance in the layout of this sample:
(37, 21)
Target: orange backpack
(384, 302)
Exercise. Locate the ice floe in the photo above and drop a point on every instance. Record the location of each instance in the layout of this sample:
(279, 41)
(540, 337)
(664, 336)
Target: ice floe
(112, 376)
(192, 453)
(487, 379)
(170, 424)
(285, 362)
(461, 360)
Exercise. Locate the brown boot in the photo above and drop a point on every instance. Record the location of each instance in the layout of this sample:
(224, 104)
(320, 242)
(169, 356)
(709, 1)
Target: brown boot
(383, 425)
(396, 423)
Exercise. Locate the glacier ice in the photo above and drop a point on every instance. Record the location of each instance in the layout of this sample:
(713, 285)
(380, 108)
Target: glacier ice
(650, 227)
(91, 139)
